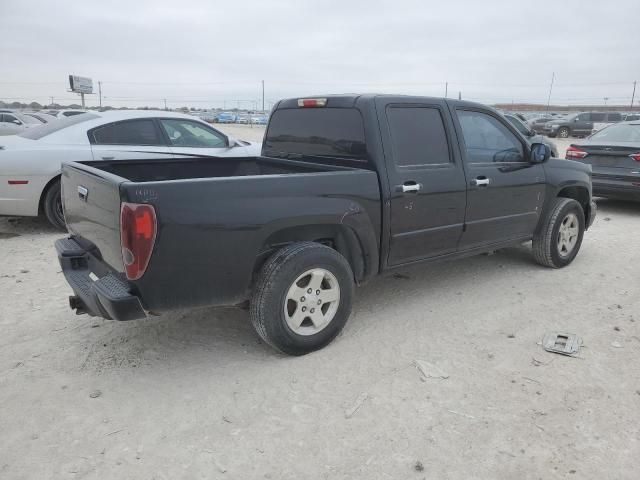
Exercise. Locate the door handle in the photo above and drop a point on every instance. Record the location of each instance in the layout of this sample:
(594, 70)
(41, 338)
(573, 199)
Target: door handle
(108, 158)
(409, 187)
(481, 182)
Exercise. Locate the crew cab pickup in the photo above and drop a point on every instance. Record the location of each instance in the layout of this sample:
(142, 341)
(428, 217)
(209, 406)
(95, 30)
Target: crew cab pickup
(346, 187)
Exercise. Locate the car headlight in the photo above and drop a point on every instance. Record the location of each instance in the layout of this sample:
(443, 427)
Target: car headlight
(554, 127)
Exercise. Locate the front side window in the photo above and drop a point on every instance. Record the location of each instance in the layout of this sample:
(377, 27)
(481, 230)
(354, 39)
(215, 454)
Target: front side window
(583, 117)
(417, 136)
(487, 140)
(186, 133)
(130, 132)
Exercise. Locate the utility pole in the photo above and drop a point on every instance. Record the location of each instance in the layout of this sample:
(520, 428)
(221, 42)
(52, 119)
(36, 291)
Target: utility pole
(446, 89)
(553, 76)
(82, 98)
(263, 95)
(100, 93)
(52, 100)
(605, 101)
(459, 95)
(633, 95)
(165, 104)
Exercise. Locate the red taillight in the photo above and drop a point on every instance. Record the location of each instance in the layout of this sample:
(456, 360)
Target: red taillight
(312, 102)
(575, 153)
(137, 235)
(635, 156)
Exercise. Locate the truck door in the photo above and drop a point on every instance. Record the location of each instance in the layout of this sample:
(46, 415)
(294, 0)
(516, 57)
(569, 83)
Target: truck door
(426, 178)
(506, 191)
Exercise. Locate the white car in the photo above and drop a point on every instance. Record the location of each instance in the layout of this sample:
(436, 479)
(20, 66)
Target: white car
(30, 162)
(16, 122)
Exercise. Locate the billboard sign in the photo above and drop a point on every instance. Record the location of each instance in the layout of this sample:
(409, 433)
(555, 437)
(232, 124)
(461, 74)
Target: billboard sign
(80, 84)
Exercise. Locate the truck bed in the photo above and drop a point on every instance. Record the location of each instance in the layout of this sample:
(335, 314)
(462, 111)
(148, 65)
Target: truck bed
(215, 217)
(204, 167)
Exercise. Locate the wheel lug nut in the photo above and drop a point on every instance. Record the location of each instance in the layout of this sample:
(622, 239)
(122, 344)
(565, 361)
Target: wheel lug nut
(312, 310)
(319, 302)
(302, 299)
(309, 291)
(304, 309)
(317, 292)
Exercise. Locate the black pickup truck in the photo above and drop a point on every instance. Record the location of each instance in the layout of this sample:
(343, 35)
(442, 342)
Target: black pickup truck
(347, 187)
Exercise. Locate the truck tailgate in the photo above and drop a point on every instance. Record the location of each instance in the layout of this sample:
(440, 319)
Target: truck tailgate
(91, 202)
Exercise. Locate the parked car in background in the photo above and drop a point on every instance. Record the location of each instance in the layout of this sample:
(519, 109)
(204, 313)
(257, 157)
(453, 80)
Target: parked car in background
(243, 119)
(346, 187)
(69, 113)
(580, 124)
(259, 119)
(537, 124)
(631, 116)
(30, 162)
(531, 135)
(12, 123)
(614, 156)
(225, 117)
(43, 117)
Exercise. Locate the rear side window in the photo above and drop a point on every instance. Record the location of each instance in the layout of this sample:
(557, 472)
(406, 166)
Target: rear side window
(598, 117)
(614, 117)
(417, 136)
(323, 132)
(130, 132)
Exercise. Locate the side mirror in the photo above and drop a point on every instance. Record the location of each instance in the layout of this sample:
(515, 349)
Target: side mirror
(539, 153)
(232, 142)
(531, 133)
(17, 122)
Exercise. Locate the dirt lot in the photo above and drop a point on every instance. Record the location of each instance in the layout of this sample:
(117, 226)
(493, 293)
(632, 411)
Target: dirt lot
(196, 395)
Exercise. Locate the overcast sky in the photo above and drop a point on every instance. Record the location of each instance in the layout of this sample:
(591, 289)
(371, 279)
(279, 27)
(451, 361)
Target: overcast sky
(215, 53)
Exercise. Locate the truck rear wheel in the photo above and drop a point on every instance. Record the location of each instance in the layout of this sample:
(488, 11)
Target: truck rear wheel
(558, 241)
(52, 206)
(302, 298)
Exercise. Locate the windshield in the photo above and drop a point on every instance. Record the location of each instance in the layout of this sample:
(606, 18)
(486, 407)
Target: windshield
(622, 132)
(30, 119)
(54, 126)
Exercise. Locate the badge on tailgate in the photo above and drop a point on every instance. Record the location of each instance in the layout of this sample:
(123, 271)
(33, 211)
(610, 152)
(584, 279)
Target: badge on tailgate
(83, 192)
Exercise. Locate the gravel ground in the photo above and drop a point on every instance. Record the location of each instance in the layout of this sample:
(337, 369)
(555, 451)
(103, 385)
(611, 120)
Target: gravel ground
(196, 395)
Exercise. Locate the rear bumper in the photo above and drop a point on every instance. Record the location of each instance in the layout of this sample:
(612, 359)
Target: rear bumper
(108, 296)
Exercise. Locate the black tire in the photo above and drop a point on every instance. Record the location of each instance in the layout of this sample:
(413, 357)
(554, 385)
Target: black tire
(267, 311)
(546, 249)
(52, 205)
(564, 132)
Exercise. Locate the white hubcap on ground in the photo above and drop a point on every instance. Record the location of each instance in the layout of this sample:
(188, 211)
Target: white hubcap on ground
(568, 234)
(312, 301)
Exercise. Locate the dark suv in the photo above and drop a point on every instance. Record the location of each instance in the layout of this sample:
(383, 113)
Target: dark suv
(580, 124)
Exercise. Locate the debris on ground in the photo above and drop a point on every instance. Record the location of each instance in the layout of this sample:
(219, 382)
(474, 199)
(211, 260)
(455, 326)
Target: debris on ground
(462, 414)
(418, 467)
(95, 394)
(616, 344)
(562, 343)
(356, 406)
(428, 370)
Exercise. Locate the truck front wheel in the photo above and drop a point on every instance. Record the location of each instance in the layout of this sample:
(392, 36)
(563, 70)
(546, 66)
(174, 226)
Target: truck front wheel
(559, 238)
(564, 132)
(302, 298)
